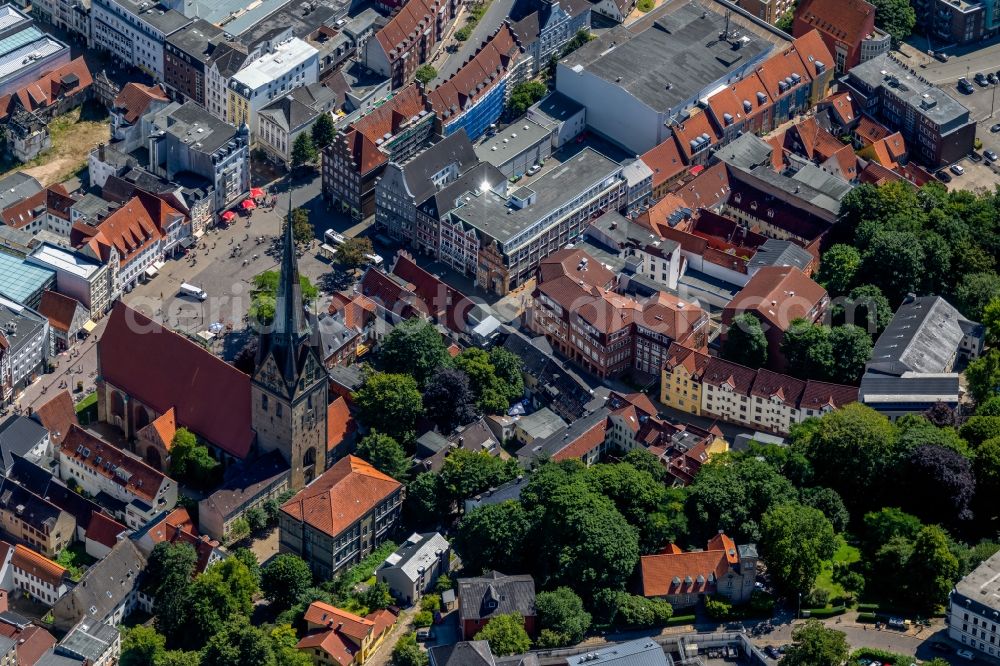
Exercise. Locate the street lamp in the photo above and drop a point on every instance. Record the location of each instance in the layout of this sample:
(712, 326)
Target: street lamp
(798, 613)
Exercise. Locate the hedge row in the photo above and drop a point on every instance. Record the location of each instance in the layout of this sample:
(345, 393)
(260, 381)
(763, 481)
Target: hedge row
(678, 620)
(826, 612)
(868, 608)
(883, 656)
(869, 618)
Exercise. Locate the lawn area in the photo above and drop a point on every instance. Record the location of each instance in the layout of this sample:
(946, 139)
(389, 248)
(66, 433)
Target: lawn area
(74, 135)
(845, 553)
(645, 5)
(85, 404)
(75, 559)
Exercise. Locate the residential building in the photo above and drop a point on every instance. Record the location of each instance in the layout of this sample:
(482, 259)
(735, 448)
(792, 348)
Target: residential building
(404, 186)
(510, 491)
(335, 636)
(409, 39)
(177, 527)
(485, 597)
(280, 122)
(66, 319)
(413, 569)
(37, 576)
(517, 148)
(616, 10)
(777, 296)
(133, 102)
(215, 407)
(40, 482)
(54, 92)
(766, 10)
(56, 415)
(93, 643)
(537, 426)
(48, 210)
(186, 54)
(576, 308)
(29, 52)
(848, 30)
(34, 521)
(683, 62)
(102, 534)
(29, 641)
(396, 130)
(475, 96)
(543, 28)
(22, 437)
(188, 138)
(107, 592)
(25, 346)
(630, 250)
(638, 652)
(341, 517)
(134, 32)
(937, 128)
(289, 65)
(968, 22)
(512, 233)
(23, 282)
(973, 609)
(433, 448)
(187, 192)
(723, 569)
(246, 485)
(358, 89)
(708, 386)
(77, 276)
(227, 58)
(916, 359)
(667, 165)
(133, 491)
(462, 653)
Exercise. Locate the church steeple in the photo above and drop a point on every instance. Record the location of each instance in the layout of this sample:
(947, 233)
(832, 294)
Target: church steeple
(290, 328)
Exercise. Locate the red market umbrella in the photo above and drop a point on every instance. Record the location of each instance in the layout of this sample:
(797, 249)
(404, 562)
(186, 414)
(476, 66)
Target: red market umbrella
(248, 204)
(228, 215)
(256, 192)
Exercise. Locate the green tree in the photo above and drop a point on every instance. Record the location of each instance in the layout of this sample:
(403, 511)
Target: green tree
(561, 612)
(284, 579)
(987, 469)
(795, 540)
(237, 644)
(424, 501)
(493, 537)
(894, 262)
(807, 349)
(913, 431)
(838, 268)
(524, 95)
(390, 403)
(303, 150)
(141, 646)
(354, 251)
(448, 399)
(829, 503)
(934, 569)
(621, 609)
(415, 348)
(466, 473)
(506, 635)
(191, 462)
(264, 293)
(975, 291)
(492, 395)
(385, 454)
(870, 309)
(785, 21)
(302, 231)
(815, 645)
(425, 74)
(643, 500)
(223, 592)
(169, 571)
(406, 652)
(376, 596)
(256, 519)
(885, 524)
(852, 347)
(249, 560)
(896, 17)
(508, 369)
(983, 376)
(323, 132)
(283, 642)
(745, 342)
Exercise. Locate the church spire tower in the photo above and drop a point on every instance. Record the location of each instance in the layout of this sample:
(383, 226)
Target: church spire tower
(288, 386)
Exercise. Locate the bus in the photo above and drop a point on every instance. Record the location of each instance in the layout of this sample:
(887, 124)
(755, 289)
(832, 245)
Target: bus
(192, 291)
(332, 238)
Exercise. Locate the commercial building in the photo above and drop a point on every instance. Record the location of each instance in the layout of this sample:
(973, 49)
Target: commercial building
(683, 579)
(186, 55)
(937, 128)
(685, 52)
(974, 608)
(26, 53)
(847, 27)
(76, 276)
(22, 281)
(413, 569)
(287, 66)
(133, 102)
(280, 122)
(768, 11)
(226, 59)
(516, 148)
(341, 517)
(514, 232)
(409, 39)
(26, 347)
(134, 32)
(93, 643)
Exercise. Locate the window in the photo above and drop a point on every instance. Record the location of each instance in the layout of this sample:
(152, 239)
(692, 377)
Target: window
(263, 405)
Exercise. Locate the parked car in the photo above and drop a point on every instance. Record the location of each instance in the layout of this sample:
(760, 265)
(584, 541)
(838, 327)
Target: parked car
(534, 169)
(981, 79)
(992, 78)
(965, 87)
(990, 155)
(995, 128)
(772, 652)
(957, 169)
(966, 654)
(943, 176)
(975, 157)
(423, 635)
(941, 57)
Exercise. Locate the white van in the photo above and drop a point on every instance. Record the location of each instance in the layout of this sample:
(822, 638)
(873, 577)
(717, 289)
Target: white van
(374, 259)
(192, 291)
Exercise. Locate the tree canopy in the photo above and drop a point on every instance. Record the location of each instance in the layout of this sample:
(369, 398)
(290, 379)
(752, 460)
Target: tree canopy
(303, 150)
(323, 131)
(506, 635)
(815, 645)
(385, 454)
(795, 541)
(390, 403)
(284, 579)
(414, 347)
(745, 342)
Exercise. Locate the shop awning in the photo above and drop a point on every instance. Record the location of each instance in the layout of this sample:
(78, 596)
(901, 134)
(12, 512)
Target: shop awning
(89, 326)
(151, 271)
(256, 192)
(228, 215)
(248, 204)
(187, 242)
(159, 264)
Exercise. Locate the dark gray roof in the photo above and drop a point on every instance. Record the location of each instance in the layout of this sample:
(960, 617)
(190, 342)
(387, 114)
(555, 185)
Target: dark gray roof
(186, 121)
(776, 252)
(555, 107)
(679, 55)
(104, 585)
(496, 594)
(88, 641)
(441, 202)
(747, 151)
(93, 206)
(454, 149)
(17, 186)
(18, 435)
(334, 335)
(198, 40)
(508, 492)
(165, 20)
(923, 336)
(463, 653)
(429, 443)
(546, 448)
(877, 389)
(243, 481)
(299, 17)
(640, 652)
(26, 324)
(29, 507)
(229, 58)
(39, 481)
(300, 107)
(350, 377)
(50, 658)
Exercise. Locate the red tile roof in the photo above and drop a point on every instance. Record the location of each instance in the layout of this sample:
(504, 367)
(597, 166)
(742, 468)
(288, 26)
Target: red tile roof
(770, 385)
(104, 529)
(134, 99)
(848, 21)
(570, 261)
(779, 294)
(58, 309)
(57, 415)
(101, 458)
(697, 126)
(664, 161)
(363, 135)
(25, 211)
(346, 631)
(131, 229)
(71, 79)
(477, 76)
(339, 423)
(890, 150)
(819, 395)
(870, 131)
(448, 305)
(586, 442)
(162, 369)
(341, 495)
(178, 527)
(389, 294)
(162, 430)
(739, 377)
(406, 26)
(693, 361)
(32, 641)
(842, 105)
(682, 573)
(37, 565)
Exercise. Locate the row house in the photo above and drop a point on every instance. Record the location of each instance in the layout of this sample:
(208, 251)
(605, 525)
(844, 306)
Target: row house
(48, 210)
(409, 39)
(34, 521)
(476, 95)
(333, 634)
(397, 130)
(37, 577)
(133, 102)
(134, 32)
(577, 310)
(226, 60)
(546, 28)
(135, 491)
(708, 386)
(186, 55)
(25, 345)
(107, 592)
(847, 28)
(289, 65)
(280, 123)
(54, 92)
